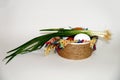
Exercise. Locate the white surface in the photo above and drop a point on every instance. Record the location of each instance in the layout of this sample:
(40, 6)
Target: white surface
(21, 20)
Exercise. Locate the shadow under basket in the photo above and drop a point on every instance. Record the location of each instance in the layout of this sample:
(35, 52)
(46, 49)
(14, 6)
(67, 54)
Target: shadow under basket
(76, 51)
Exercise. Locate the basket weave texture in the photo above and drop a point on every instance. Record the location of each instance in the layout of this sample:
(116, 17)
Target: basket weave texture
(76, 52)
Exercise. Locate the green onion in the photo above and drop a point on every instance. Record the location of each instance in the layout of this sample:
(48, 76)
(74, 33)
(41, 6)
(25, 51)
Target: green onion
(38, 42)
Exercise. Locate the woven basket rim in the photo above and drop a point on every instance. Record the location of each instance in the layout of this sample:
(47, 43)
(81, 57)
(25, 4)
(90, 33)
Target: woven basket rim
(80, 43)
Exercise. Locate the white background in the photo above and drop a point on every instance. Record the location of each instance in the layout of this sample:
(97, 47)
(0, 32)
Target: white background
(21, 20)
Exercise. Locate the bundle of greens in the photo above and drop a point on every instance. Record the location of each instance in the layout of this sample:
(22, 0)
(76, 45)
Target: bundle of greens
(38, 42)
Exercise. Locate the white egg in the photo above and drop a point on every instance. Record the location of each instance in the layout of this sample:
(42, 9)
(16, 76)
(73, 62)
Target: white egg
(82, 37)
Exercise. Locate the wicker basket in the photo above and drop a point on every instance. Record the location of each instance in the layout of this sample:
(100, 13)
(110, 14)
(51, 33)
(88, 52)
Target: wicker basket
(76, 51)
